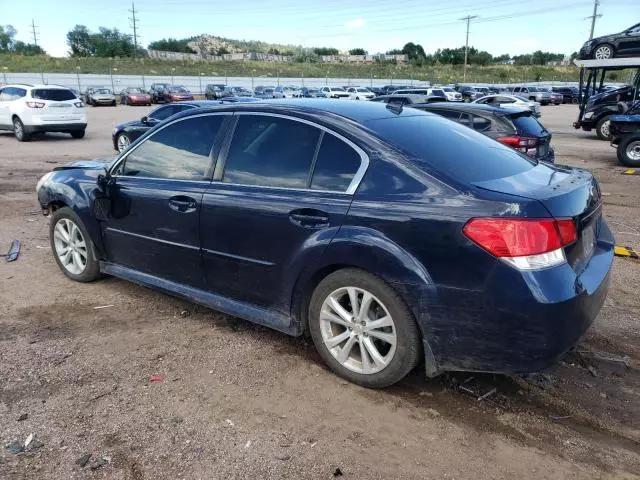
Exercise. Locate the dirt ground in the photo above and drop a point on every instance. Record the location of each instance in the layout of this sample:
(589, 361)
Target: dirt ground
(241, 401)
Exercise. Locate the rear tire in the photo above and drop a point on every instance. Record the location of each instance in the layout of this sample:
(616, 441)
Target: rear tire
(18, 131)
(387, 353)
(67, 230)
(629, 151)
(574, 101)
(604, 52)
(77, 133)
(602, 128)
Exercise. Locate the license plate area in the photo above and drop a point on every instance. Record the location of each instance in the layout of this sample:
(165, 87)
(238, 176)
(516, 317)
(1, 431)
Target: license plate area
(588, 240)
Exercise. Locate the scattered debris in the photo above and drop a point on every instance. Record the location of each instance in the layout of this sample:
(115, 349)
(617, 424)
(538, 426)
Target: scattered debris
(23, 417)
(41, 247)
(15, 447)
(83, 460)
(284, 458)
(248, 444)
(488, 394)
(432, 412)
(61, 361)
(28, 440)
(604, 395)
(592, 370)
(177, 419)
(425, 394)
(559, 417)
(13, 253)
(104, 394)
(101, 462)
(285, 444)
(229, 422)
(156, 378)
(103, 306)
(184, 313)
(35, 444)
(337, 472)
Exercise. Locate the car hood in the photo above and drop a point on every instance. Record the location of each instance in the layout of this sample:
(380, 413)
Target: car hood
(609, 94)
(131, 123)
(97, 164)
(102, 95)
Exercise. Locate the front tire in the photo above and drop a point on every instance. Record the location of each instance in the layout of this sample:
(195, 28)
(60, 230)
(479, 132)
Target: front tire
(123, 141)
(72, 246)
(603, 52)
(602, 128)
(19, 132)
(362, 329)
(77, 134)
(629, 151)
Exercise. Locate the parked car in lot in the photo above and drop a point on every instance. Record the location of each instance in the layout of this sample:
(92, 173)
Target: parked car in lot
(469, 93)
(504, 100)
(360, 93)
(430, 92)
(306, 92)
(101, 96)
(335, 92)
(601, 106)
(177, 93)
(388, 89)
(554, 97)
(285, 92)
(265, 92)
(364, 229)
(134, 96)
(533, 93)
(236, 92)
(156, 90)
(623, 44)
(401, 99)
(569, 94)
(27, 110)
(377, 90)
(513, 127)
(451, 94)
(213, 91)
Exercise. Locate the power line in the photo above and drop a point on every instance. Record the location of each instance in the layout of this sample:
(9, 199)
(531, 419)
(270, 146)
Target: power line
(468, 18)
(35, 34)
(134, 22)
(593, 17)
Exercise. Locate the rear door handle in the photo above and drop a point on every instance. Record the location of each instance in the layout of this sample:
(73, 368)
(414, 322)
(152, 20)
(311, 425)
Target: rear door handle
(309, 218)
(182, 204)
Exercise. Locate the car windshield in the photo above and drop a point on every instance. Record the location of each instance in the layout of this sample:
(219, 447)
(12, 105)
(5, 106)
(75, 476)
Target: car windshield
(179, 90)
(268, 90)
(54, 94)
(533, 89)
(438, 92)
(136, 90)
(528, 125)
(448, 89)
(452, 149)
(363, 90)
(337, 89)
(102, 91)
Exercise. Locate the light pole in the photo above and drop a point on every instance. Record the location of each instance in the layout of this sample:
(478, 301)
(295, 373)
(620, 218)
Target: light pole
(78, 77)
(201, 75)
(113, 89)
(278, 74)
(253, 72)
(371, 78)
(4, 73)
(302, 79)
(468, 18)
(173, 69)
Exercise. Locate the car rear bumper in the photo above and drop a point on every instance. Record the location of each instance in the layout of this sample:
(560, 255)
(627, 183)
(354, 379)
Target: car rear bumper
(519, 322)
(55, 127)
(139, 101)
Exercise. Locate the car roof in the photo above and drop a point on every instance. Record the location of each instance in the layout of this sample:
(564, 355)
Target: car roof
(358, 111)
(476, 107)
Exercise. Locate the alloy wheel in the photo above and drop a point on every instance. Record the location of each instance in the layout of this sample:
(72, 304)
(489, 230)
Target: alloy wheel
(358, 330)
(18, 130)
(603, 52)
(633, 151)
(70, 246)
(123, 142)
(604, 129)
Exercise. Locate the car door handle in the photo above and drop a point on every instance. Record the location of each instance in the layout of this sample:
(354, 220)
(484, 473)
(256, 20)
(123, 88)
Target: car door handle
(309, 218)
(182, 204)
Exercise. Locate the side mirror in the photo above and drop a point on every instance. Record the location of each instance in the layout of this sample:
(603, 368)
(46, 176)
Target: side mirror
(145, 120)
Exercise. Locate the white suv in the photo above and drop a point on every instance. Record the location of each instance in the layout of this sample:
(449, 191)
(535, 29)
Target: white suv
(357, 93)
(30, 109)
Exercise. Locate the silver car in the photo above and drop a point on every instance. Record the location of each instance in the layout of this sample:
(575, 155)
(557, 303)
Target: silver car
(506, 100)
(533, 93)
(101, 96)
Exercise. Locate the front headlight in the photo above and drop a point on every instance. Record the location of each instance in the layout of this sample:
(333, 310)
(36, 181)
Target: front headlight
(43, 180)
(587, 116)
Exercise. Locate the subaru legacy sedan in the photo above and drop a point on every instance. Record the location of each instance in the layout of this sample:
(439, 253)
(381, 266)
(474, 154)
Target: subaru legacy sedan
(389, 235)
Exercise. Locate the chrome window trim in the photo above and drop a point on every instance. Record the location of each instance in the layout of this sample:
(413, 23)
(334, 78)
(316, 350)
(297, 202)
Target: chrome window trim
(355, 181)
(129, 152)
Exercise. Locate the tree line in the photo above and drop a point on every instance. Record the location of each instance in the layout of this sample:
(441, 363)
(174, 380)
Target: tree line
(9, 44)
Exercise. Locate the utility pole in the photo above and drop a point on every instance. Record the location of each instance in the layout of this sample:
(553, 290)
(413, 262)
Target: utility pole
(596, 4)
(468, 18)
(33, 30)
(134, 24)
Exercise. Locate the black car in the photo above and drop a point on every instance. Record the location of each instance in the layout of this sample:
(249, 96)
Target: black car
(157, 91)
(388, 89)
(377, 90)
(401, 99)
(513, 127)
(602, 105)
(569, 94)
(623, 44)
(126, 133)
(236, 92)
(306, 92)
(469, 93)
(214, 91)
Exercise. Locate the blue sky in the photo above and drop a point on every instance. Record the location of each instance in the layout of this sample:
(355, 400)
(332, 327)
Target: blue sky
(502, 26)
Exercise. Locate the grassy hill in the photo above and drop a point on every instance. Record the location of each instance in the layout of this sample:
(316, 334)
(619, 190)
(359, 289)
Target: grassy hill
(436, 73)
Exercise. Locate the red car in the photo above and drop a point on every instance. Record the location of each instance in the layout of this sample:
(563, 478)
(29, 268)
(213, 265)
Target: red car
(134, 96)
(177, 94)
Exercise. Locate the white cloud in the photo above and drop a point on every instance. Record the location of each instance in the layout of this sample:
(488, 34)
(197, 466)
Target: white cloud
(356, 23)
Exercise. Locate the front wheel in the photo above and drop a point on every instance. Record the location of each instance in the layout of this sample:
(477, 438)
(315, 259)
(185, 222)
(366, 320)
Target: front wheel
(603, 52)
(77, 134)
(123, 141)
(629, 151)
(602, 129)
(72, 247)
(362, 329)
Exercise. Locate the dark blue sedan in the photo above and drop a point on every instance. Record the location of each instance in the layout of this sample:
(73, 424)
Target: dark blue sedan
(388, 235)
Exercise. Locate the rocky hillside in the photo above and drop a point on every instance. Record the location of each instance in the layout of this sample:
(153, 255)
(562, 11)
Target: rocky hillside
(212, 45)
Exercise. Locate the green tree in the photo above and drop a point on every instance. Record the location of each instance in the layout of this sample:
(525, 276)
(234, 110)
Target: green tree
(27, 49)
(79, 41)
(358, 51)
(172, 45)
(504, 58)
(395, 51)
(326, 51)
(413, 51)
(7, 38)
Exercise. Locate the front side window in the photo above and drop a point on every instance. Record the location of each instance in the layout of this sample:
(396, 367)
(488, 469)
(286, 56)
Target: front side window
(180, 151)
(336, 165)
(271, 151)
(163, 113)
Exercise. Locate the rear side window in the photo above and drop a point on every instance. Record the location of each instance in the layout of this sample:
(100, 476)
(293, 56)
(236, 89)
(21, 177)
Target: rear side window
(54, 94)
(528, 125)
(271, 151)
(336, 165)
(180, 151)
(458, 152)
(481, 124)
(450, 114)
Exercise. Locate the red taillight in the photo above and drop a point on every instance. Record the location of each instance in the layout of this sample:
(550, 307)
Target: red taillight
(35, 104)
(505, 237)
(522, 144)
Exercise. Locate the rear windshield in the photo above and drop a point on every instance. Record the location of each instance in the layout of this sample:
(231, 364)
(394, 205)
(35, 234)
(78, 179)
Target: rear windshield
(528, 125)
(438, 92)
(452, 149)
(55, 94)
